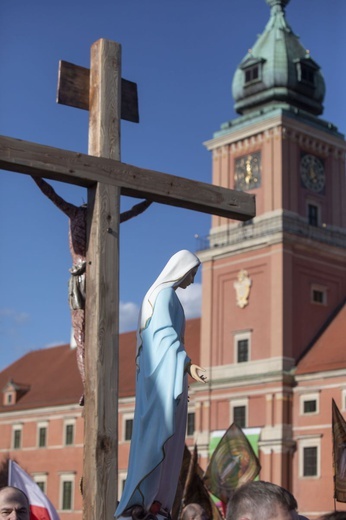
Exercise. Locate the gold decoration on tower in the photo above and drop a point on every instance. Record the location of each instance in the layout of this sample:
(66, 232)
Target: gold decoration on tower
(242, 287)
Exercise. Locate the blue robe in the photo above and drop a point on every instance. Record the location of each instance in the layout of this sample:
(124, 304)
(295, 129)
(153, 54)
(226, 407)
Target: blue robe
(159, 426)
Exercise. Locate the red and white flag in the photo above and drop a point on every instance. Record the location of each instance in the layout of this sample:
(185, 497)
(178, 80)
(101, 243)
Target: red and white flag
(41, 507)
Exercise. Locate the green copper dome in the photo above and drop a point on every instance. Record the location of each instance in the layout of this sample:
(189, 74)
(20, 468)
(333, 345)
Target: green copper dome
(278, 70)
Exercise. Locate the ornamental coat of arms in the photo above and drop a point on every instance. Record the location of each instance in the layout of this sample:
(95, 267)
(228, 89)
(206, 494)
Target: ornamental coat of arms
(242, 288)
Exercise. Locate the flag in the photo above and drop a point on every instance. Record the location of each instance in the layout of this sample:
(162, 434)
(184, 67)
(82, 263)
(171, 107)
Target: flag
(339, 453)
(232, 464)
(40, 506)
(191, 488)
(177, 505)
(195, 490)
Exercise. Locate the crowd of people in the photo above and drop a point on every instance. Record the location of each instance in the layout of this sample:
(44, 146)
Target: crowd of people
(258, 500)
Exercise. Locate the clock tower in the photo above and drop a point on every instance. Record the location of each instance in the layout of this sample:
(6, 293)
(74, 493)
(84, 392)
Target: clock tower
(270, 285)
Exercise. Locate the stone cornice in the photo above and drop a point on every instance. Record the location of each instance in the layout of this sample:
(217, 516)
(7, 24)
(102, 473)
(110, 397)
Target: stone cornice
(241, 131)
(269, 229)
(47, 413)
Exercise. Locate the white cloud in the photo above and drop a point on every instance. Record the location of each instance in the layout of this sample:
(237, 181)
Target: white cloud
(57, 343)
(128, 316)
(12, 323)
(191, 299)
(14, 316)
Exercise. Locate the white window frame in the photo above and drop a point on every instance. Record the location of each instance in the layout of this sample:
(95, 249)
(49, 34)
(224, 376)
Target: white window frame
(320, 288)
(309, 397)
(40, 425)
(69, 422)
(17, 427)
(9, 398)
(40, 478)
(121, 480)
(309, 442)
(67, 477)
(240, 402)
(343, 400)
(238, 336)
(126, 417)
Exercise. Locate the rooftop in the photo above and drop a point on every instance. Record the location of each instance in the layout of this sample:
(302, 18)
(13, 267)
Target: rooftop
(51, 378)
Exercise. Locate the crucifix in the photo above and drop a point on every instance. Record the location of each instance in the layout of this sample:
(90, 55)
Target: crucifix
(106, 178)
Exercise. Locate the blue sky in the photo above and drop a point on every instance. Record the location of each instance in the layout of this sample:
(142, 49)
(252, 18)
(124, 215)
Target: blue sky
(182, 55)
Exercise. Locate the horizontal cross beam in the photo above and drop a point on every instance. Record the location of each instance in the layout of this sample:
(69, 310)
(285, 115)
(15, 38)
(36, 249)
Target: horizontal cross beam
(85, 170)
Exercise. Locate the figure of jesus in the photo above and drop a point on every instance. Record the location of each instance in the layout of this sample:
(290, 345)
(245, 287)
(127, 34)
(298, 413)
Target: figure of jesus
(78, 247)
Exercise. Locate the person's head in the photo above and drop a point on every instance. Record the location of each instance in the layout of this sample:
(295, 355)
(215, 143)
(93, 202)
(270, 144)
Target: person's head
(14, 504)
(262, 500)
(194, 512)
(334, 515)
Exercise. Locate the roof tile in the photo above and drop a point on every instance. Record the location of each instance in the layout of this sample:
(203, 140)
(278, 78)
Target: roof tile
(54, 379)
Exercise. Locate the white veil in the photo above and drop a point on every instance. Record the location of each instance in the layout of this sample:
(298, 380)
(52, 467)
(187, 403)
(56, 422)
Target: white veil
(177, 267)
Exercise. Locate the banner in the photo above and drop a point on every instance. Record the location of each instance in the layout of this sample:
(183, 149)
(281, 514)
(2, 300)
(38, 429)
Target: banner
(40, 506)
(233, 463)
(339, 453)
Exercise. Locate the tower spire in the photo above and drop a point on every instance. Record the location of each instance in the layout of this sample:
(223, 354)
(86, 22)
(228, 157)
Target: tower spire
(279, 3)
(278, 71)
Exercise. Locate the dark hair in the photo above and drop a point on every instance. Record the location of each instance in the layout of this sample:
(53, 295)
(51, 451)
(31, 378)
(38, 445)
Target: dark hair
(335, 515)
(259, 500)
(15, 489)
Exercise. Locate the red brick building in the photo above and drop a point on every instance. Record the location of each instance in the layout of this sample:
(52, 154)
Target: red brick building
(274, 288)
(272, 329)
(41, 423)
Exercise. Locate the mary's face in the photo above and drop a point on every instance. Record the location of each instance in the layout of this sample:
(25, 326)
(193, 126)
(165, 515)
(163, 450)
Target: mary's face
(189, 278)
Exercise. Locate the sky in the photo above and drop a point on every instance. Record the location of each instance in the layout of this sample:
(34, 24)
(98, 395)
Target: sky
(182, 54)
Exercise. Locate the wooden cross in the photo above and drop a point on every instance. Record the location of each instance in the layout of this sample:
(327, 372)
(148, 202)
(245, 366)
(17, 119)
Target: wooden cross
(106, 178)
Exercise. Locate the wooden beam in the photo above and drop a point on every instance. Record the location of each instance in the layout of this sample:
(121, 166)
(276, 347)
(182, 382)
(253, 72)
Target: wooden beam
(85, 170)
(73, 85)
(73, 91)
(100, 469)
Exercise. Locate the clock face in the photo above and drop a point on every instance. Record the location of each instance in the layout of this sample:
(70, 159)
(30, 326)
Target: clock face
(247, 172)
(312, 173)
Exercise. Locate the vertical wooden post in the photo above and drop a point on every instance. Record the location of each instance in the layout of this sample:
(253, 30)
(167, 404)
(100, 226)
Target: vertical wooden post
(102, 306)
